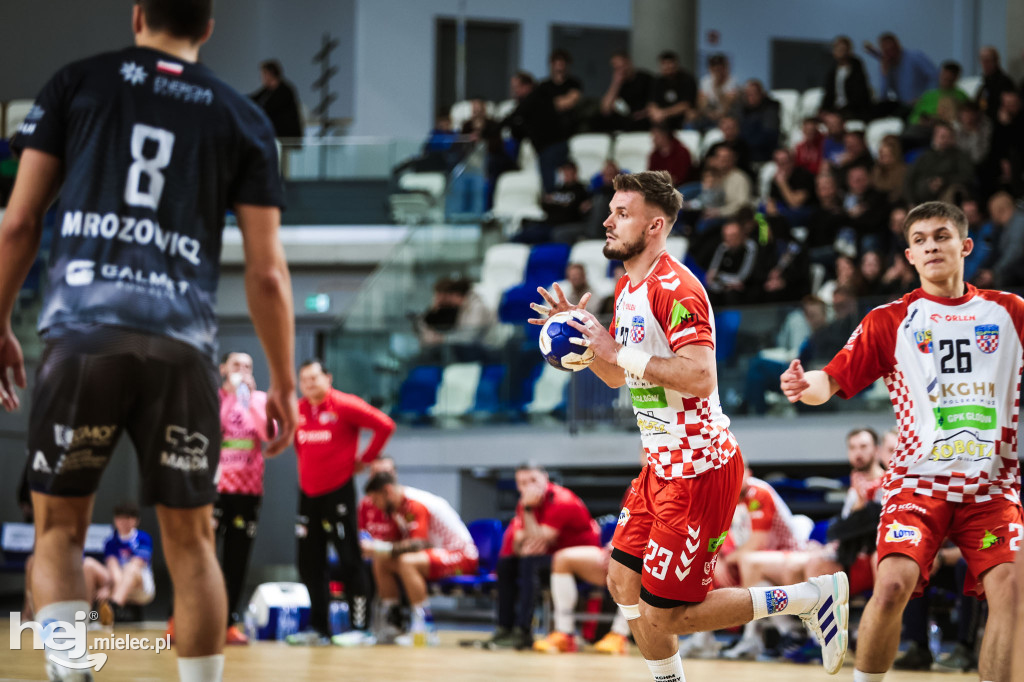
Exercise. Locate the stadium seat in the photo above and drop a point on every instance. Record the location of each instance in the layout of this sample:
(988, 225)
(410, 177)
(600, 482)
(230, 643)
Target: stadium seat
(727, 327)
(489, 390)
(504, 266)
(517, 196)
(970, 85)
(878, 129)
(457, 392)
(418, 392)
(810, 102)
(820, 532)
(690, 140)
(460, 113)
(515, 304)
(594, 401)
(789, 109)
(676, 247)
(803, 527)
(711, 138)
(421, 198)
(589, 151)
(632, 150)
(764, 179)
(590, 254)
(546, 264)
(549, 393)
(527, 157)
(504, 108)
(17, 110)
(487, 534)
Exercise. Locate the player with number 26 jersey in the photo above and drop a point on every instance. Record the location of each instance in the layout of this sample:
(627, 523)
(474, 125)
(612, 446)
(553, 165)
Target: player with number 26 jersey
(131, 248)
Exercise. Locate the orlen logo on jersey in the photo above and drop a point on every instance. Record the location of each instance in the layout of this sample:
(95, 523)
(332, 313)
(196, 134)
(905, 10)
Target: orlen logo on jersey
(938, 317)
(80, 273)
(900, 533)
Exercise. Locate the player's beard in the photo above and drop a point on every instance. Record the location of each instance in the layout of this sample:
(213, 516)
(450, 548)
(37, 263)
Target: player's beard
(628, 250)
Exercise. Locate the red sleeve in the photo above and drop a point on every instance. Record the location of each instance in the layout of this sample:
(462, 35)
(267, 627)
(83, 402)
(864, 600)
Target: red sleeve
(761, 507)
(1012, 303)
(357, 411)
(509, 536)
(681, 306)
(870, 352)
(418, 519)
(619, 286)
(565, 511)
(363, 514)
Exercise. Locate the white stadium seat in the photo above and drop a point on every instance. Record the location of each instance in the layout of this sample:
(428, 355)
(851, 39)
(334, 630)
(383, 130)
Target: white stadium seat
(589, 151)
(878, 129)
(549, 391)
(789, 109)
(17, 110)
(504, 266)
(970, 85)
(457, 393)
(517, 196)
(810, 102)
(460, 113)
(430, 183)
(690, 140)
(764, 179)
(711, 138)
(632, 150)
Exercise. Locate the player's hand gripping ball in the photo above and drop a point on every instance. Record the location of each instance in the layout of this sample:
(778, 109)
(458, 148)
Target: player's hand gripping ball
(558, 349)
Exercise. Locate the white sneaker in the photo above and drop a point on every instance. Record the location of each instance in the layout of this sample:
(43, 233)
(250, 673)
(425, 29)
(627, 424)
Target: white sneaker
(700, 645)
(829, 619)
(354, 638)
(747, 649)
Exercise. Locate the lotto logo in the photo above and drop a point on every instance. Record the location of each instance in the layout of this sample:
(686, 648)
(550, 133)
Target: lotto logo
(900, 533)
(776, 600)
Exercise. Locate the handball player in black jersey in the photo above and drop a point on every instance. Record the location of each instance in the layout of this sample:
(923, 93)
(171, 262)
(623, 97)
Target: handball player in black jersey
(148, 151)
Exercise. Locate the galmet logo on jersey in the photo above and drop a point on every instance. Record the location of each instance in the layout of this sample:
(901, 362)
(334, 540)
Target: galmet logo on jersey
(83, 273)
(899, 533)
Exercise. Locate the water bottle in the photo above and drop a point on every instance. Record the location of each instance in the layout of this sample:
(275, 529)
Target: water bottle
(934, 639)
(339, 617)
(250, 623)
(243, 394)
(419, 628)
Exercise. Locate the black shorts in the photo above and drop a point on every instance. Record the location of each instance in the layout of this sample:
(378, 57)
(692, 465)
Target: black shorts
(96, 381)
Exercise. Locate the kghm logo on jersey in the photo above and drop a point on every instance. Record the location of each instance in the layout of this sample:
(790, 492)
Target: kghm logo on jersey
(923, 339)
(636, 330)
(987, 337)
(900, 533)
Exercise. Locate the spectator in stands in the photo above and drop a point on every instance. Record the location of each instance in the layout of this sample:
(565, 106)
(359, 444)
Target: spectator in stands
(983, 233)
(846, 85)
(973, 132)
(927, 106)
(940, 172)
(791, 194)
(1006, 266)
(480, 127)
(900, 278)
(669, 154)
(564, 89)
(847, 277)
(731, 138)
(624, 105)
(608, 304)
(867, 210)
(425, 540)
(825, 342)
(673, 99)
(458, 322)
(601, 193)
(809, 152)
(897, 242)
(536, 119)
(760, 121)
(855, 153)
(765, 368)
(565, 211)
(718, 94)
(994, 82)
(833, 145)
(575, 283)
(904, 74)
(548, 518)
(728, 276)
(871, 274)
(825, 221)
(889, 174)
(128, 555)
(1003, 169)
(278, 100)
(733, 183)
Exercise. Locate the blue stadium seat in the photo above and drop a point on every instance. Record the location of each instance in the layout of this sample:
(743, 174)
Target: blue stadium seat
(419, 391)
(546, 265)
(515, 309)
(727, 327)
(488, 391)
(608, 530)
(820, 532)
(487, 534)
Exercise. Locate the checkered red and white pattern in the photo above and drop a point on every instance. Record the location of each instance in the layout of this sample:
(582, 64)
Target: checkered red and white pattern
(768, 512)
(683, 435)
(445, 529)
(240, 469)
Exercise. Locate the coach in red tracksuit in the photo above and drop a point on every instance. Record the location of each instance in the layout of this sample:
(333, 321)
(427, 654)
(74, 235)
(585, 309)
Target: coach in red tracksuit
(326, 444)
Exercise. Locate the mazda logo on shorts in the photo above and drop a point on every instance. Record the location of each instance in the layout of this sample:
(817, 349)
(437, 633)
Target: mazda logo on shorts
(79, 273)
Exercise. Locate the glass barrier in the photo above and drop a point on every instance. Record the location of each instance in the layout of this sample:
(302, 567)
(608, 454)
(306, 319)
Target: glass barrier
(345, 158)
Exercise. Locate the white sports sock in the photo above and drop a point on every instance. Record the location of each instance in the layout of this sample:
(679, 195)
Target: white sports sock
(788, 599)
(201, 668)
(66, 612)
(668, 669)
(619, 624)
(858, 676)
(564, 594)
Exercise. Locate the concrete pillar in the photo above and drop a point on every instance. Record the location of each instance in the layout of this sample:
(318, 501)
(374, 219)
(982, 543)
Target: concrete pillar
(660, 25)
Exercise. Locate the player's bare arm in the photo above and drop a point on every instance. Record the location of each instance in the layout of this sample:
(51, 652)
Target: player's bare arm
(692, 371)
(39, 176)
(811, 388)
(609, 373)
(268, 289)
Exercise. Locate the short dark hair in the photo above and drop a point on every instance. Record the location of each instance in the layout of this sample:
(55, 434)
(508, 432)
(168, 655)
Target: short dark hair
(379, 481)
(180, 18)
(717, 59)
(864, 429)
(570, 163)
(936, 209)
(273, 67)
(530, 465)
(309, 362)
(843, 39)
(656, 188)
(950, 65)
(668, 56)
(524, 77)
(622, 54)
(560, 54)
(126, 509)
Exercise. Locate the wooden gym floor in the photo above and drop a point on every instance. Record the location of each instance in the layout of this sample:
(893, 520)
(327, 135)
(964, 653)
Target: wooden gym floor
(446, 663)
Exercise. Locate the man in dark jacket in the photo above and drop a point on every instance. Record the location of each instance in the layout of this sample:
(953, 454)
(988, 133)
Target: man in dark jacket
(536, 119)
(846, 85)
(277, 98)
(759, 122)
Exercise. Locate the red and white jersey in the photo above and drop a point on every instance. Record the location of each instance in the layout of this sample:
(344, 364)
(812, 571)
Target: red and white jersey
(768, 512)
(683, 435)
(421, 516)
(953, 369)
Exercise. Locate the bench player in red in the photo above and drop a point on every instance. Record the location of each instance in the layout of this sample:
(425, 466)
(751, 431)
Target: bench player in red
(951, 356)
(678, 511)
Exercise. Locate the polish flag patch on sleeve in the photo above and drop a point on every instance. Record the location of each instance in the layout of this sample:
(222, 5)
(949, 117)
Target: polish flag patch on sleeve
(172, 68)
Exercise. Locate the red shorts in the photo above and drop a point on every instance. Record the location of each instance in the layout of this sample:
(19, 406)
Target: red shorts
(674, 529)
(988, 533)
(446, 563)
(862, 576)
